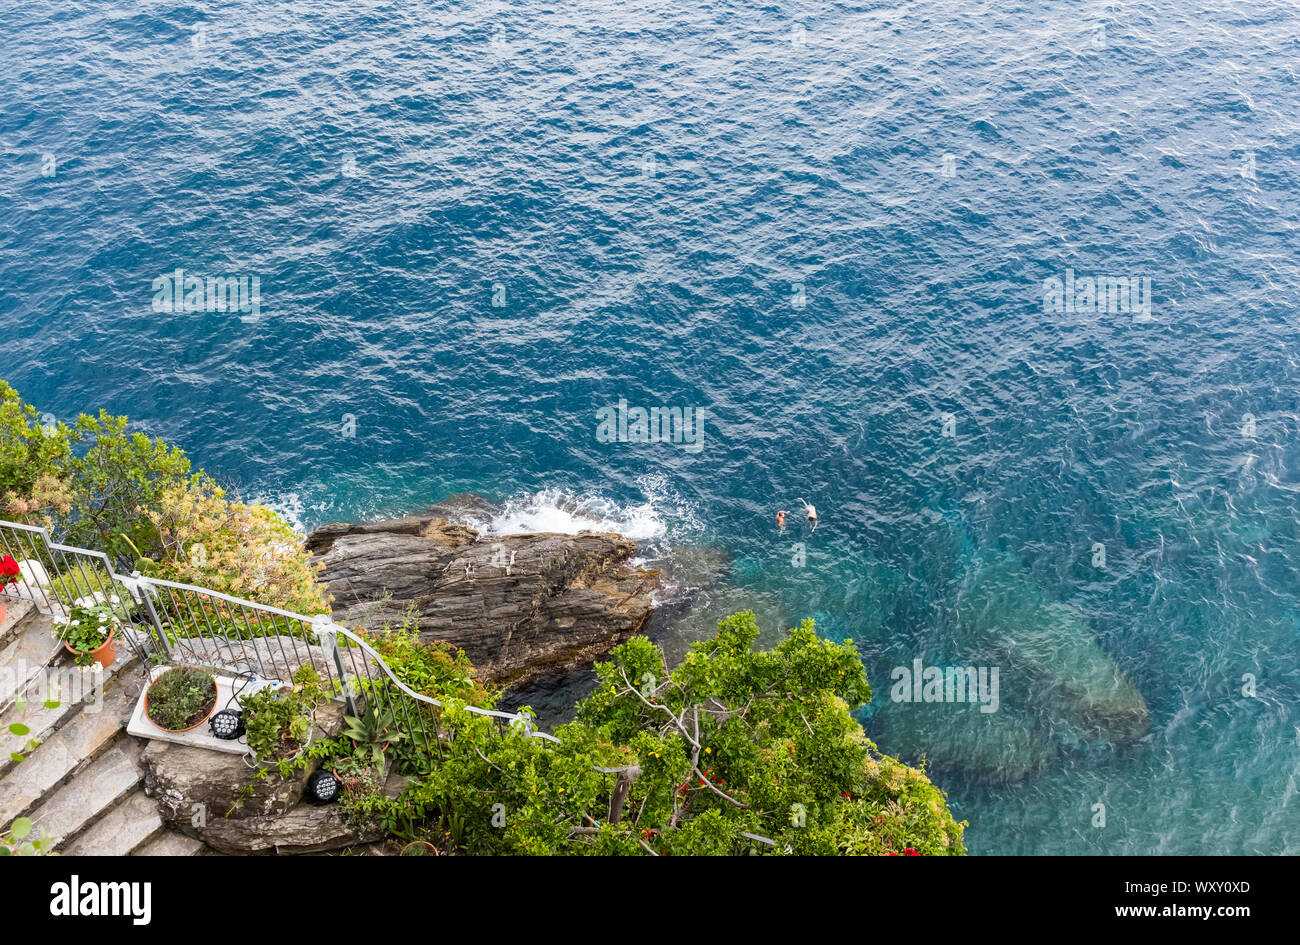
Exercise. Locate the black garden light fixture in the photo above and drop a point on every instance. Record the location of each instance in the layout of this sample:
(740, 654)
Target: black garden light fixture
(227, 724)
(322, 787)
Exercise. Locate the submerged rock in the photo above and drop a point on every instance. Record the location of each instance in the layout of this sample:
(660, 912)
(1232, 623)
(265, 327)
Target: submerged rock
(692, 569)
(876, 595)
(519, 606)
(1001, 611)
(995, 747)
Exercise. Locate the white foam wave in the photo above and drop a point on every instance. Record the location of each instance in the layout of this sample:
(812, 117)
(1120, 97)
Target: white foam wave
(289, 506)
(662, 514)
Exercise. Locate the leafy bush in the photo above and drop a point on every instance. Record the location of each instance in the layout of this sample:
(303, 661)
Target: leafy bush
(278, 721)
(437, 670)
(732, 742)
(181, 698)
(243, 550)
(33, 461)
(97, 485)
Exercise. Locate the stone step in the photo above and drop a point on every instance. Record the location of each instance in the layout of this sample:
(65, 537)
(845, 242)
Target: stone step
(91, 793)
(17, 614)
(171, 843)
(123, 829)
(26, 656)
(66, 756)
(76, 686)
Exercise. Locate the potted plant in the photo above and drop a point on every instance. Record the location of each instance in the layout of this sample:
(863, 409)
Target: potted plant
(278, 720)
(181, 699)
(419, 848)
(87, 633)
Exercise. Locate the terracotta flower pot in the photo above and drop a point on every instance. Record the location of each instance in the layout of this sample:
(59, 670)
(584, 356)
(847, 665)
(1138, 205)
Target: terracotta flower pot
(2, 615)
(419, 848)
(104, 654)
(176, 731)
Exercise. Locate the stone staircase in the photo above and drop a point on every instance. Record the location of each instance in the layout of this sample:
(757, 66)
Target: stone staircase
(79, 777)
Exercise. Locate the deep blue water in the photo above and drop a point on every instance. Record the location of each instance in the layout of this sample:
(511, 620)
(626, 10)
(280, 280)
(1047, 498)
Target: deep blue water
(649, 184)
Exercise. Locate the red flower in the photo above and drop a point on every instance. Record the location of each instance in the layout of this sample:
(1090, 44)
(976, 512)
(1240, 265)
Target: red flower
(908, 851)
(9, 570)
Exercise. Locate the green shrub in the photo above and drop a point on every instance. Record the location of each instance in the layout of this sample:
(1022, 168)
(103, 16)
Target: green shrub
(437, 670)
(732, 742)
(278, 721)
(86, 579)
(97, 485)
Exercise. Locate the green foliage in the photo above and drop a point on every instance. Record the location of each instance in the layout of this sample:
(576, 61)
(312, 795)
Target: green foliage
(181, 698)
(437, 670)
(372, 732)
(278, 721)
(19, 841)
(98, 485)
(114, 479)
(77, 581)
(208, 539)
(33, 458)
(19, 730)
(356, 771)
(733, 742)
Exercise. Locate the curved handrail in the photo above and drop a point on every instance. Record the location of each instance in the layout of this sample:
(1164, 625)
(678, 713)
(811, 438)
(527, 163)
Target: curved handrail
(379, 660)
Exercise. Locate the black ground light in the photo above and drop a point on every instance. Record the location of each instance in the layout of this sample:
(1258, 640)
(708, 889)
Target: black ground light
(322, 787)
(227, 724)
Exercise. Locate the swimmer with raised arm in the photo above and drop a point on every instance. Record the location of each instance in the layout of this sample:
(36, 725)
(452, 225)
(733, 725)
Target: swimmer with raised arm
(811, 512)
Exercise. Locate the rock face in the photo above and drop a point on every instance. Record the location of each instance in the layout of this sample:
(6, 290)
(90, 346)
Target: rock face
(305, 829)
(518, 605)
(186, 780)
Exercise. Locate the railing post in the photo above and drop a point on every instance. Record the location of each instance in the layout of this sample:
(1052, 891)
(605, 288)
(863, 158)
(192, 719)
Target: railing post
(328, 636)
(140, 586)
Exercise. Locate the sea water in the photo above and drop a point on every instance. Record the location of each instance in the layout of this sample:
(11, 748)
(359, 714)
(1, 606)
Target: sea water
(1004, 286)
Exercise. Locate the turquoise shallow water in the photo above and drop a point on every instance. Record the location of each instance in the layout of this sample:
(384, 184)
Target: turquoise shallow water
(645, 187)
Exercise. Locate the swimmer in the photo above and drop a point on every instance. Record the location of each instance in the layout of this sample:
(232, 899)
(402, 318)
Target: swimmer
(812, 513)
(780, 519)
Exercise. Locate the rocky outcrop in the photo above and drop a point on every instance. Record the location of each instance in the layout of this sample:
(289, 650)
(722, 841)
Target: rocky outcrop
(519, 606)
(305, 829)
(995, 748)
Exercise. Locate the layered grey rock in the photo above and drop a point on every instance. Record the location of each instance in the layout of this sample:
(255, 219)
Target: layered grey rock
(518, 605)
